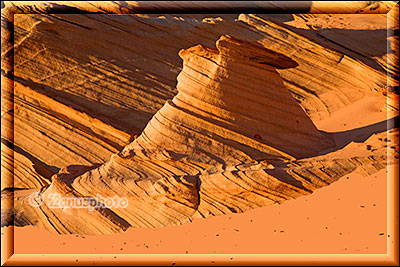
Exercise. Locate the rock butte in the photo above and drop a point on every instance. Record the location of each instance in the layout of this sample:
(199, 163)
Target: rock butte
(75, 105)
(232, 139)
(86, 101)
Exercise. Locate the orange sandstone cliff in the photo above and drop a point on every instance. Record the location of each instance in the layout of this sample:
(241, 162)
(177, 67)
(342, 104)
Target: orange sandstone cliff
(232, 139)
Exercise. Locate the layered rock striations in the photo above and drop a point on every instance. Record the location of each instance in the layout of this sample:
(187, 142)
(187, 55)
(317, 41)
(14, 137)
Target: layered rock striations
(83, 91)
(232, 139)
(233, 97)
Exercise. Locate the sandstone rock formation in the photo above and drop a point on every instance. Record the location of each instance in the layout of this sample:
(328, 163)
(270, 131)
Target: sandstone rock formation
(103, 97)
(103, 114)
(220, 145)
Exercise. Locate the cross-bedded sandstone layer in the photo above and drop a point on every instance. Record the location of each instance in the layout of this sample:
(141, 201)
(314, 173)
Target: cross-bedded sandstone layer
(84, 90)
(232, 139)
(236, 132)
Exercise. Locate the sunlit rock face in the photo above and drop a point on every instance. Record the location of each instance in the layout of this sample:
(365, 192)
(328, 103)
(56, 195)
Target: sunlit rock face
(232, 139)
(188, 115)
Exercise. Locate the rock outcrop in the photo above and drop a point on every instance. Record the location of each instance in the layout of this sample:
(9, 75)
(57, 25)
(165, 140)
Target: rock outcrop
(91, 105)
(101, 91)
(232, 139)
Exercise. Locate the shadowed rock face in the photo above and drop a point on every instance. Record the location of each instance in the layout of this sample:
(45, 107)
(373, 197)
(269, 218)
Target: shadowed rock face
(232, 139)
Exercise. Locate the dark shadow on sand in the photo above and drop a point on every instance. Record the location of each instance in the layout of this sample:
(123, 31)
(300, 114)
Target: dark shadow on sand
(361, 134)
